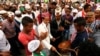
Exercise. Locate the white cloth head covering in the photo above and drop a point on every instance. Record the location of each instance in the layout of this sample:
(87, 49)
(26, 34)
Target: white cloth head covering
(37, 5)
(33, 45)
(27, 6)
(44, 5)
(58, 10)
(10, 14)
(74, 11)
(66, 6)
(17, 12)
(3, 11)
(98, 8)
(21, 5)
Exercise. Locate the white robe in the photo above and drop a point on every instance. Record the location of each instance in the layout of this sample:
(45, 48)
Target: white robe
(42, 28)
(4, 44)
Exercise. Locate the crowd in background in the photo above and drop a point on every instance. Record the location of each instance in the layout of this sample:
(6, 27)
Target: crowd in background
(36, 29)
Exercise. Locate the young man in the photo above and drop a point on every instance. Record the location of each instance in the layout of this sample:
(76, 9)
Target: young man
(67, 22)
(27, 34)
(81, 35)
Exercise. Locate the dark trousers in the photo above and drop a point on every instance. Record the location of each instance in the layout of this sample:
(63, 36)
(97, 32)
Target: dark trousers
(14, 47)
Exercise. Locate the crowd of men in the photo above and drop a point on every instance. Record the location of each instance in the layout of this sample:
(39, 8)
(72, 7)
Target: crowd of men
(38, 28)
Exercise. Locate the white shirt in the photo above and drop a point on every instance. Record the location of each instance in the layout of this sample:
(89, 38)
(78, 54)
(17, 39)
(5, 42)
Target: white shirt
(78, 15)
(36, 13)
(63, 12)
(4, 44)
(43, 28)
(19, 19)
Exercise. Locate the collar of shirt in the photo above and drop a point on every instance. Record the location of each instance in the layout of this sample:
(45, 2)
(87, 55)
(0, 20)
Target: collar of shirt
(19, 19)
(47, 28)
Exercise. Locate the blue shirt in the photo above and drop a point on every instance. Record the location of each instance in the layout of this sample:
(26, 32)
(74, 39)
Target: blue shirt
(80, 37)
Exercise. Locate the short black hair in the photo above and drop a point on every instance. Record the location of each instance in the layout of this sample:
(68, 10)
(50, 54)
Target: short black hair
(69, 8)
(26, 20)
(53, 3)
(80, 21)
(77, 2)
(86, 6)
(88, 49)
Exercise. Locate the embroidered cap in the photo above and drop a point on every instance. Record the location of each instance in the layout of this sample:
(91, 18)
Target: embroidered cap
(33, 45)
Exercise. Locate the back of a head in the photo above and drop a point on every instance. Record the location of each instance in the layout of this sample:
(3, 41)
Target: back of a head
(53, 3)
(86, 6)
(80, 21)
(26, 20)
(88, 49)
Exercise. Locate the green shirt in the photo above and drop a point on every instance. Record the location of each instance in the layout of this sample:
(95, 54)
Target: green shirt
(22, 8)
(39, 54)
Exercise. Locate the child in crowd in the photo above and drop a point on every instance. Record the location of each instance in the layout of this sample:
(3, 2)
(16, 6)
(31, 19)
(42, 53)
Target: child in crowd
(27, 34)
(36, 48)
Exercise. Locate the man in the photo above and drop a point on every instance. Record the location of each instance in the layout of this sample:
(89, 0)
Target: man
(27, 34)
(67, 21)
(44, 32)
(87, 8)
(17, 21)
(56, 27)
(28, 12)
(52, 7)
(9, 30)
(96, 26)
(81, 35)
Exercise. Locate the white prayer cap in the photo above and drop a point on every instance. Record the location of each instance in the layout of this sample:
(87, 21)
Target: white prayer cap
(8, 3)
(3, 11)
(98, 8)
(37, 5)
(81, 7)
(17, 12)
(10, 14)
(27, 6)
(66, 6)
(74, 11)
(33, 45)
(58, 10)
(21, 5)
(44, 6)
